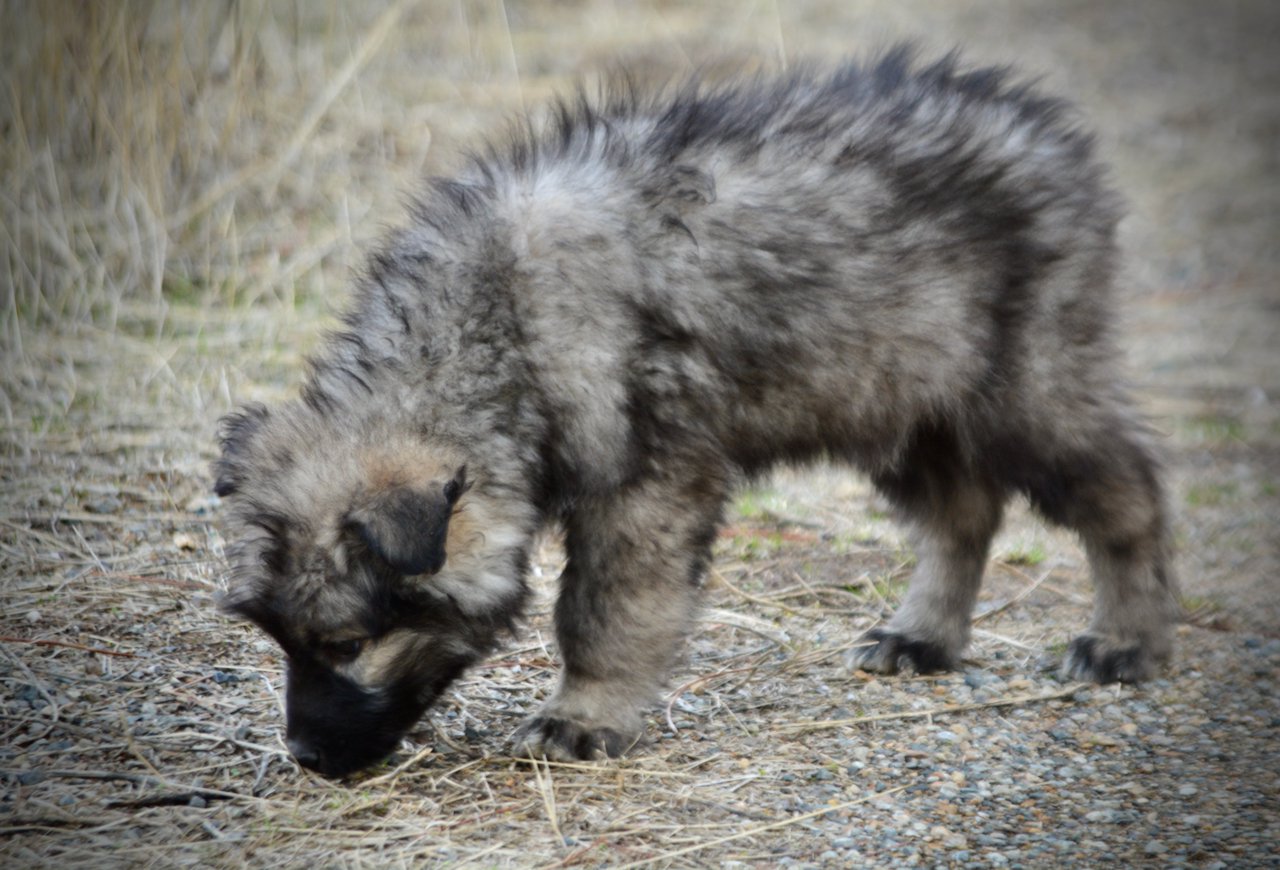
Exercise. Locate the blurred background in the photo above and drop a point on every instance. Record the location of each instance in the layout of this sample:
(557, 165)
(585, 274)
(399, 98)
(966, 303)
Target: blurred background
(186, 187)
(237, 152)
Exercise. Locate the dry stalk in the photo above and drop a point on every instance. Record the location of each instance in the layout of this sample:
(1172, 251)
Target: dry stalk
(719, 577)
(546, 790)
(946, 709)
(760, 829)
(610, 770)
(1027, 590)
(65, 643)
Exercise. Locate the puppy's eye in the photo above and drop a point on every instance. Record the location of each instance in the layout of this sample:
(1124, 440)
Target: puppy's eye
(344, 650)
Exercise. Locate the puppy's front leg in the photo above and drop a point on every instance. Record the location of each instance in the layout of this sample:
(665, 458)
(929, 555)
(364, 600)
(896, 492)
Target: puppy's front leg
(627, 598)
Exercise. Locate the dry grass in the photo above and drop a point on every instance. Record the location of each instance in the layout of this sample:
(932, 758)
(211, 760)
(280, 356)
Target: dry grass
(146, 730)
(183, 191)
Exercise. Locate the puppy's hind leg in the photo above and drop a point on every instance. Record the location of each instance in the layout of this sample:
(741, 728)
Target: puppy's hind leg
(1112, 496)
(954, 510)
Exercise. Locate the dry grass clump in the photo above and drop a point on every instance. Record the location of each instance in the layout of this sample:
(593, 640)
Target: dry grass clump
(164, 153)
(157, 154)
(117, 117)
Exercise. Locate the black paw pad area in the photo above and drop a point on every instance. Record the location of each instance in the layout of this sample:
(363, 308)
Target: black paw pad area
(576, 741)
(1089, 659)
(899, 652)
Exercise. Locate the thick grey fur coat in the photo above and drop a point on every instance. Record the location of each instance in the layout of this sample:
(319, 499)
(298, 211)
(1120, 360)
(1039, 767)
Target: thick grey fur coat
(610, 318)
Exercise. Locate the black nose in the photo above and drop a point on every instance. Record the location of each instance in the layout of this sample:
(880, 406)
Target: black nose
(307, 756)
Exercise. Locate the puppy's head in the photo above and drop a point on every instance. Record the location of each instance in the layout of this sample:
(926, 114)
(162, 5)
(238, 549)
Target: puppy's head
(373, 562)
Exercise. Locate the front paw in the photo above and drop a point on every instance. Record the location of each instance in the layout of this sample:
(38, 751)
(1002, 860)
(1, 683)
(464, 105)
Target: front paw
(1097, 659)
(887, 652)
(565, 740)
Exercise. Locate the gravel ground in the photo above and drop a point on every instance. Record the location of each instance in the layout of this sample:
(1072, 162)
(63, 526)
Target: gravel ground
(139, 728)
(1182, 771)
(1179, 773)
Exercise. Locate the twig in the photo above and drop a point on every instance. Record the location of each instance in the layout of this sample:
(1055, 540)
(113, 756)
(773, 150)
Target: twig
(54, 711)
(698, 682)
(747, 596)
(1027, 590)
(547, 790)
(511, 51)
(127, 732)
(137, 778)
(483, 853)
(742, 621)
(52, 825)
(165, 799)
(450, 742)
(1012, 700)
(1008, 641)
(117, 519)
(598, 768)
(42, 642)
(399, 768)
(760, 829)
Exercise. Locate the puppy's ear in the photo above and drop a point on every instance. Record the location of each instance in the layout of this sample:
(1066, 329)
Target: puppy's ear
(235, 432)
(406, 526)
(242, 602)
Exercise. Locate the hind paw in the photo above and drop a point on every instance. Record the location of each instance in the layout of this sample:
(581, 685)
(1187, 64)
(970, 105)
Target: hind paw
(888, 652)
(1097, 659)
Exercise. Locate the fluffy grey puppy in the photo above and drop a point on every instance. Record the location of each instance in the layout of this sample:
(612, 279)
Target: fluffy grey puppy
(611, 317)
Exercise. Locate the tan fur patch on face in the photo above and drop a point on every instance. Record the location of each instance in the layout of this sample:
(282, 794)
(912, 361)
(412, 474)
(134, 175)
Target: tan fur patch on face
(407, 464)
(376, 666)
(464, 531)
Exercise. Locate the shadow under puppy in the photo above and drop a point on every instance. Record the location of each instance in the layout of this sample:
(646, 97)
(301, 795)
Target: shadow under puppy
(608, 319)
